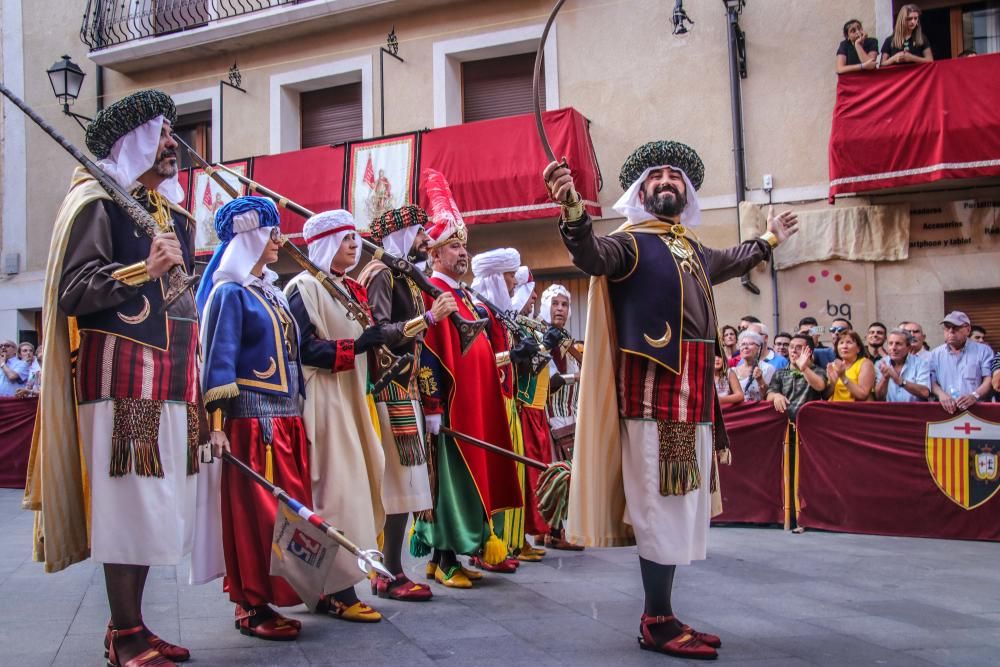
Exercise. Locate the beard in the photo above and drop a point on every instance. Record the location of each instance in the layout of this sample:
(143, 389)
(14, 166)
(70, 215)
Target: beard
(418, 254)
(665, 202)
(166, 167)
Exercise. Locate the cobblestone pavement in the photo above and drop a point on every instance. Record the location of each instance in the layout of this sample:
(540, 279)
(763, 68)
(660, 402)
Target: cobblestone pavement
(776, 599)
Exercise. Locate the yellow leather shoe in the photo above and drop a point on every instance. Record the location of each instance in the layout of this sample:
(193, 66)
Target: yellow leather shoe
(358, 612)
(529, 554)
(472, 575)
(456, 580)
(430, 570)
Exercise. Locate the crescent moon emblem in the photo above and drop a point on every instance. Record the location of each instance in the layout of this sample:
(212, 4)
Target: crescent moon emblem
(139, 317)
(663, 341)
(271, 369)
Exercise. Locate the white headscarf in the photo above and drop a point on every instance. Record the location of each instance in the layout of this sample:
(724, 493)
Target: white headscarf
(524, 285)
(545, 307)
(133, 155)
(400, 242)
(630, 206)
(488, 269)
(244, 251)
(325, 232)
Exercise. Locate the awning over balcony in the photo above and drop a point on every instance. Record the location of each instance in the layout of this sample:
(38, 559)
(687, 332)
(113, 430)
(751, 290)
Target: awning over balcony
(494, 168)
(916, 124)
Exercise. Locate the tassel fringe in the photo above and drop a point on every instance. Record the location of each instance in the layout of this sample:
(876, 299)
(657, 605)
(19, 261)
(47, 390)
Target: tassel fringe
(269, 464)
(418, 547)
(135, 438)
(678, 477)
(495, 551)
(552, 493)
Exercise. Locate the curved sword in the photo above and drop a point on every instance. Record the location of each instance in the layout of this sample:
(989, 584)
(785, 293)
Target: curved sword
(571, 196)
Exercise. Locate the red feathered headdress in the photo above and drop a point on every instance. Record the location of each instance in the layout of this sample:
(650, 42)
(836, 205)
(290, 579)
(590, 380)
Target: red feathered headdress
(445, 220)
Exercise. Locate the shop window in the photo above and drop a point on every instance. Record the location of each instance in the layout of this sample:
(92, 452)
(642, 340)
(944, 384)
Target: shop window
(196, 130)
(983, 308)
(498, 87)
(331, 115)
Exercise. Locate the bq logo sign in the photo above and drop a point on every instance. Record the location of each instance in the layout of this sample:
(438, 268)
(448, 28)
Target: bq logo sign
(306, 549)
(962, 456)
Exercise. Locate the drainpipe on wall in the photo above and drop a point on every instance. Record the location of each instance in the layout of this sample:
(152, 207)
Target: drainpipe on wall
(736, 102)
(100, 87)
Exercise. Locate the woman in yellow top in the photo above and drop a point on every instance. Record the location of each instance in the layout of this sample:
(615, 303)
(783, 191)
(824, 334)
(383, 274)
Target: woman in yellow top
(851, 374)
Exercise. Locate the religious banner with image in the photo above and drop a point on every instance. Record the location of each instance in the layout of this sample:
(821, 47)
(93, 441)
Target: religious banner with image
(380, 176)
(207, 197)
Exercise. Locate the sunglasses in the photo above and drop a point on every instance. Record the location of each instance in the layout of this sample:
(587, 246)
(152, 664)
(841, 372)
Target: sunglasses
(837, 329)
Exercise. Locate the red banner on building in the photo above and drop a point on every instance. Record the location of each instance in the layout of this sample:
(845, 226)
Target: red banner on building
(915, 124)
(753, 486)
(495, 166)
(311, 177)
(907, 469)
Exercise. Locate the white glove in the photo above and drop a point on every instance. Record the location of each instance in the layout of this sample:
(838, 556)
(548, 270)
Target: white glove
(432, 424)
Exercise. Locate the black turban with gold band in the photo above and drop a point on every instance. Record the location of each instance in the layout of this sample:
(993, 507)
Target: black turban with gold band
(125, 115)
(658, 154)
(395, 219)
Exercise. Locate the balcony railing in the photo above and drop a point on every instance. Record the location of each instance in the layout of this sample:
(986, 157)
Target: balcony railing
(112, 22)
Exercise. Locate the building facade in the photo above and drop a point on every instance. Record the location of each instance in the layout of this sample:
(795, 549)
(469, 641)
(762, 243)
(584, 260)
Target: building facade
(314, 72)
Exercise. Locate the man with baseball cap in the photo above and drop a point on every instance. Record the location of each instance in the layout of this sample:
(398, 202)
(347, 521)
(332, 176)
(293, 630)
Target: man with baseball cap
(960, 367)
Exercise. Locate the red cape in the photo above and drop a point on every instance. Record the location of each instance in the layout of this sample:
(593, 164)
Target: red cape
(475, 405)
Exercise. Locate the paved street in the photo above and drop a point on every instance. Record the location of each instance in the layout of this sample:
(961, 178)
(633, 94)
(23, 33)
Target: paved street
(776, 599)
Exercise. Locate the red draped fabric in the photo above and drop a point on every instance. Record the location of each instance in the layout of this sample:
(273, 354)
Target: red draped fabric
(877, 468)
(753, 486)
(538, 446)
(17, 421)
(495, 166)
(311, 177)
(916, 124)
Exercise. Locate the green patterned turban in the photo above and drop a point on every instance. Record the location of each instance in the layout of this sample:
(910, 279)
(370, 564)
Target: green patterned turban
(128, 113)
(659, 153)
(395, 219)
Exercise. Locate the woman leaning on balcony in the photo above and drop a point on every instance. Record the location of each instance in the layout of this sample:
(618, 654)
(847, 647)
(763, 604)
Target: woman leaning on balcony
(858, 51)
(907, 43)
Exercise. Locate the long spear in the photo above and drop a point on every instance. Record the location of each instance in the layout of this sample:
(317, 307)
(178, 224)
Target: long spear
(552, 490)
(368, 559)
(389, 365)
(178, 280)
(468, 330)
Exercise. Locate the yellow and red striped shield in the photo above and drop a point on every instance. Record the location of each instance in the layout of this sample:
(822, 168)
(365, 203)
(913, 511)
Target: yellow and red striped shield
(958, 451)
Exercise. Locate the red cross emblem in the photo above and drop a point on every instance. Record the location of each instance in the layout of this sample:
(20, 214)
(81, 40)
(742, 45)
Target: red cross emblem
(967, 428)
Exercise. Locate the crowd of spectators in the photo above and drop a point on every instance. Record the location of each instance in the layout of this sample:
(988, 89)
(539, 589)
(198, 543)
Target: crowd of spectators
(892, 365)
(906, 45)
(21, 367)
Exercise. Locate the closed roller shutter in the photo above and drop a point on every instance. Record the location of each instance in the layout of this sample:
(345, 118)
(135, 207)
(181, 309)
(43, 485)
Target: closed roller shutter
(498, 87)
(331, 115)
(983, 308)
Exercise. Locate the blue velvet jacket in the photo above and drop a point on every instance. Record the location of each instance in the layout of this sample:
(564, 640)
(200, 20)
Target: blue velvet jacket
(245, 346)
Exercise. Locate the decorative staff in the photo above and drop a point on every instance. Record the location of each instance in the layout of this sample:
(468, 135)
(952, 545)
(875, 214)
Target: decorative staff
(388, 364)
(553, 484)
(178, 280)
(368, 559)
(468, 330)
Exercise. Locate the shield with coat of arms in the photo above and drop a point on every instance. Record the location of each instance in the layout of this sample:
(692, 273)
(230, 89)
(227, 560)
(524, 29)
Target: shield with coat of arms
(963, 455)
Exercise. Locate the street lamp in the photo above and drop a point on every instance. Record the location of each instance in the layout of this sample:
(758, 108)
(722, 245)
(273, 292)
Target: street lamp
(66, 78)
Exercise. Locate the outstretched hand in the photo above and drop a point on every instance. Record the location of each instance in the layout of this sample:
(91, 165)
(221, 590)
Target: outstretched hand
(783, 225)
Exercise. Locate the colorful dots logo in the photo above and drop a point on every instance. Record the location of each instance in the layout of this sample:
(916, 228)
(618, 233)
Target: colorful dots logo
(812, 279)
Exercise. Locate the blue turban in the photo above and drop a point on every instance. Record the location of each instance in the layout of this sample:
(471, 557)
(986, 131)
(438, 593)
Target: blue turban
(242, 214)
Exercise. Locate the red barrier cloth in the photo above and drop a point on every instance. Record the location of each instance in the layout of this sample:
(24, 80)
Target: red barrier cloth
(879, 468)
(17, 421)
(753, 486)
(915, 124)
(495, 166)
(311, 177)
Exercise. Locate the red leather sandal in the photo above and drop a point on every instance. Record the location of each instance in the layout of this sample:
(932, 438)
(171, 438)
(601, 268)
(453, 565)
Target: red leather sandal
(508, 566)
(150, 658)
(276, 628)
(171, 652)
(405, 590)
(712, 640)
(684, 645)
(294, 622)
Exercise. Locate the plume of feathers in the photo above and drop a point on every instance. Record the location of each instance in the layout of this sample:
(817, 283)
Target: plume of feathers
(442, 208)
